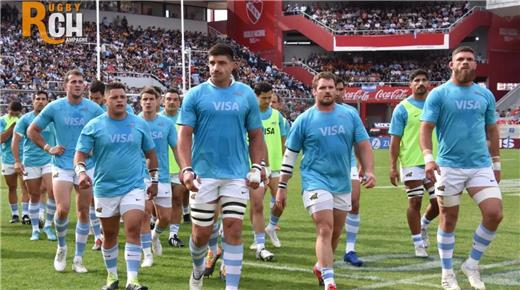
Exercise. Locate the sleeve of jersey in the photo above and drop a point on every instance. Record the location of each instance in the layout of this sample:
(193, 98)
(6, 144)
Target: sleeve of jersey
(490, 117)
(188, 114)
(294, 140)
(172, 135)
(2, 125)
(21, 127)
(283, 127)
(44, 117)
(431, 107)
(360, 133)
(147, 143)
(253, 119)
(398, 121)
(86, 139)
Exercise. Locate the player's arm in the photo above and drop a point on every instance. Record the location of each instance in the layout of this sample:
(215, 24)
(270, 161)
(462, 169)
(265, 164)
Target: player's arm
(15, 149)
(289, 161)
(257, 151)
(80, 168)
(153, 169)
(184, 144)
(35, 134)
(494, 151)
(366, 158)
(425, 140)
(395, 147)
(7, 134)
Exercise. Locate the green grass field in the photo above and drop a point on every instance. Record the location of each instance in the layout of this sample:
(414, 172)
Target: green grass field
(384, 243)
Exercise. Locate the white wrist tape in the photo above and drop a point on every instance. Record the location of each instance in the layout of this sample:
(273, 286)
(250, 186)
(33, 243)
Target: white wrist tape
(255, 174)
(289, 159)
(428, 158)
(497, 166)
(79, 168)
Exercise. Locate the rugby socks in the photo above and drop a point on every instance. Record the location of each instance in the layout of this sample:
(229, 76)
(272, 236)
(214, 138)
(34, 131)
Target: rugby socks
(146, 243)
(425, 222)
(25, 208)
(352, 229)
(95, 223)
(481, 240)
(213, 239)
(418, 240)
(198, 255)
(328, 276)
(273, 221)
(81, 238)
(233, 256)
(445, 245)
(133, 260)
(51, 210)
(34, 209)
(14, 209)
(61, 230)
(157, 231)
(174, 229)
(260, 241)
(110, 258)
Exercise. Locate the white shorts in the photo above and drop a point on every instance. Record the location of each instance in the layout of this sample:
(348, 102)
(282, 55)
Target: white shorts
(112, 206)
(318, 200)
(59, 174)
(211, 189)
(8, 169)
(452, 181)
(164, 194)
(36, 172)
(174, 178)
(354, 173)
(413, 173)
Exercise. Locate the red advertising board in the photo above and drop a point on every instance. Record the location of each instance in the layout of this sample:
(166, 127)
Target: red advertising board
(391, 42)
(377, 95)
(253, 23)
(509, 143)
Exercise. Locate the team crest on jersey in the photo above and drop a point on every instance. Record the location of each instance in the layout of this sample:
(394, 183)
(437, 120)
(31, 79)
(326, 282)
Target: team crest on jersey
(313, 196)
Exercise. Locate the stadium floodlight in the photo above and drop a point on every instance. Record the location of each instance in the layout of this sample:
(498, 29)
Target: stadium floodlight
(98, 42)
(183, 51)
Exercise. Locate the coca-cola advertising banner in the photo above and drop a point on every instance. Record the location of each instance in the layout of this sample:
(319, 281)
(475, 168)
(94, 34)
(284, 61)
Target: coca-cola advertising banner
(384, 94)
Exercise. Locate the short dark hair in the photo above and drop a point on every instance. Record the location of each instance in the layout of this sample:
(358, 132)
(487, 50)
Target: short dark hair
(15, 106)
(158, 90)
(149, 90)
(221, 49)
(340, 80)
(323, 75)
(40, 92)
(172, 91)
(97, 87)
(114, 86)
(418, 72)
(73, 72)
(462, 49)
(262, 87)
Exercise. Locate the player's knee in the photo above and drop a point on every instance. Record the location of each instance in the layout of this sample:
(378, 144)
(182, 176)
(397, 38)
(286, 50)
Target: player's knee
(494, 216)
(233, 208)
(325, 230)
(449, 200)
(233, 231)
(414, 203)
(202, 214)
(257, 207)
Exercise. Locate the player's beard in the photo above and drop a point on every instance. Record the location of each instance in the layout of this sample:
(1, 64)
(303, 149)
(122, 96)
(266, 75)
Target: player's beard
(326, 102)
(421, 91)
(464, 75)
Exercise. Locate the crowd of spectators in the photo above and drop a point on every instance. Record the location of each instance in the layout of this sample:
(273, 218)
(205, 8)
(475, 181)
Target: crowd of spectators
(389, 68)
(510, 116)
(381, 17)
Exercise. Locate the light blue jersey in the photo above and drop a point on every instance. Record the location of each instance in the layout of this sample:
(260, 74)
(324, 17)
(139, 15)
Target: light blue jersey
(460, 115)
(128, 108)
(69, 119)
(327, 140)
(220, 118)
(118, 147)
(7, 154)
(33, 155)
(164, 136)
(400, 115)
(172, 118)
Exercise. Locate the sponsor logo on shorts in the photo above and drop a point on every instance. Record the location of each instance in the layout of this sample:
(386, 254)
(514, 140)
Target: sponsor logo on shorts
(441, 188)
(99, 209)
(244, 191)
(193, 195)
(55, 174)
(313, 196)
(409, 174)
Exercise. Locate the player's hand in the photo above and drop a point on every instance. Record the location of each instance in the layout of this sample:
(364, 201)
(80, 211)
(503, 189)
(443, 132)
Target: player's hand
(18, 167)
(281, 198)
(57, 150)
(498, 175)
(190, 182)
(151, 191)
(368, 180)
(394, 176)
(254, 177)
(84, 181)
(429, 169)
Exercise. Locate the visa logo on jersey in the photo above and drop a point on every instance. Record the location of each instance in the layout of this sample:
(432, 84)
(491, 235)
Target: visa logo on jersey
(72, 121)
(468, 105)
(226, 106)
(157, 135)
(332, 130)
(121, 138)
